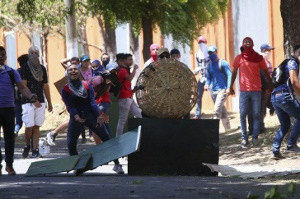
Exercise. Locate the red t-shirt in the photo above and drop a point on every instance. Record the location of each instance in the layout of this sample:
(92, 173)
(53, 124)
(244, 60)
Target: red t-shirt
(125, 91)
(105, 97)
(249, 76)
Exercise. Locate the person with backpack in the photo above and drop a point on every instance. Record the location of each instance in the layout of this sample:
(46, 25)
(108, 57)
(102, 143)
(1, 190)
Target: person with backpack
(218, 78)
(8, 79)
(249, 63)
(285, 103)
(79, 99)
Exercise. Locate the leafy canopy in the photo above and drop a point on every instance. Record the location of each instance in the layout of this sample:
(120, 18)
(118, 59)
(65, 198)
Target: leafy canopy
(180, 18)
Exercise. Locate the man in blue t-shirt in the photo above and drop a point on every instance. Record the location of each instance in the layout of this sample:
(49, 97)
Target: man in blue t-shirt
(218, 79)
(9, 77)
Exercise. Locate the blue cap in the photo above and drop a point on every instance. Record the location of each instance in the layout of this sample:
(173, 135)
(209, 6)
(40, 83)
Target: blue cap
(211, 48)
(84, 57)
(266, 47)
(111, 66)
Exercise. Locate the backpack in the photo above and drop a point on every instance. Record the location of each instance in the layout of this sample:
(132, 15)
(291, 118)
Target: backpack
(68, 90)
(278, 74)
(13, 83)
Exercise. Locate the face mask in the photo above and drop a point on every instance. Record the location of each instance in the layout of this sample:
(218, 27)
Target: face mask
(267, 55)
(177, 58)
(34, 58)
(2, 68)
(213, 57)
(105, 62)
(299, 58)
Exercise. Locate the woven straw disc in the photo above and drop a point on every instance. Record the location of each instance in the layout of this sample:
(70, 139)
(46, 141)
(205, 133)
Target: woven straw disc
(168, 89)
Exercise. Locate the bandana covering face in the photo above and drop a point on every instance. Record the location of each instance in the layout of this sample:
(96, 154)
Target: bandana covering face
(77, 88)
(154, 53)
(249, 54)
(202, 52)
(35, 67)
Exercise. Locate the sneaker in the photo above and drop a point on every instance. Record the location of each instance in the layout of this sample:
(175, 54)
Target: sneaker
(118, 169)
(277, 156)
(51, 138)
(26, 151)
(196, 117)
(36, 153)
(254, 141)
(293, 148)
(10, 171)
(244, 143)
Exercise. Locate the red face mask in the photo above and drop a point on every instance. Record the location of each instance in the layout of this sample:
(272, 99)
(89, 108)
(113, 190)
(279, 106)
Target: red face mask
(153, 51)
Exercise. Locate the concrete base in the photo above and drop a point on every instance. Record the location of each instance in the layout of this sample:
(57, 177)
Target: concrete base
(175, 147)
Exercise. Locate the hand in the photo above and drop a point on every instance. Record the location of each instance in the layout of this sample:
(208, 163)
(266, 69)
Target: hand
(99, 121)
(206, 88)
(50, 108)
(105, 118)
(228, 91)
(37, 104)
(135, 67)
(78, 119)
(232, 91)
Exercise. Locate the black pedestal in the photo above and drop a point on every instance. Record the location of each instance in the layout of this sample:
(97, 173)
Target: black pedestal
(175, 147)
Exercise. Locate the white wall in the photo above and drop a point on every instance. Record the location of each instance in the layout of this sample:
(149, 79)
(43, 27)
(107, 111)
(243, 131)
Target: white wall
(11, 52)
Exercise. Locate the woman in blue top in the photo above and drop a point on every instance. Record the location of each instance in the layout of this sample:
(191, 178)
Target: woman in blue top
(79, 99)
(286, 105)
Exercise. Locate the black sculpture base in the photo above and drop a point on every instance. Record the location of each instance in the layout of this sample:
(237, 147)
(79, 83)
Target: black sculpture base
(175, 147)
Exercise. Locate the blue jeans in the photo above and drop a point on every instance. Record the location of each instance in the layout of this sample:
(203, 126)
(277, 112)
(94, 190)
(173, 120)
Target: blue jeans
(250, 100)
(199, 99)
(18, 112)
(286, 107)
(7, 121)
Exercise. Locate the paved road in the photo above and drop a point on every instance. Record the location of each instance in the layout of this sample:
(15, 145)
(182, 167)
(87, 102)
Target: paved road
(104, 183)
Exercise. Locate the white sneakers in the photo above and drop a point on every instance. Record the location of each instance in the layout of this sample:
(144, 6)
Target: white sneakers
(50, 138)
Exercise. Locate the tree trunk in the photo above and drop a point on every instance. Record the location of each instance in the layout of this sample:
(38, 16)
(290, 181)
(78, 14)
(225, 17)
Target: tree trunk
(71, 37)
(148, 37)
(83, 39)
(108, 35)
(290, 12)
(44, 48)
(134, 45)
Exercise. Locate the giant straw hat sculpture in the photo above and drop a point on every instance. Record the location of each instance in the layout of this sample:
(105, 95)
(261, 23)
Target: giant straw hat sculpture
(166, 89)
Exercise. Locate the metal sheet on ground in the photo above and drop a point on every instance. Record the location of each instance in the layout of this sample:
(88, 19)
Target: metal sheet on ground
(52, 166)
(114, 148)
(91, 158)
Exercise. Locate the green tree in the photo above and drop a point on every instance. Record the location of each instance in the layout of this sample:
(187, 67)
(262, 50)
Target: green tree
(182, 19)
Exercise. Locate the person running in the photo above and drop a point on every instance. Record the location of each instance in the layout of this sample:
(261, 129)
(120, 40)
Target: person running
(79, 99)
(286, 106)
(218, 78)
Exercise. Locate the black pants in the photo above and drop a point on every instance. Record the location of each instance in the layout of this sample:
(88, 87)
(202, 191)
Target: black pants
(7, 121)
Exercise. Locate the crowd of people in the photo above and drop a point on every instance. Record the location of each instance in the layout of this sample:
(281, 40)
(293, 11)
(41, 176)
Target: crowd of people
(90, 84)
